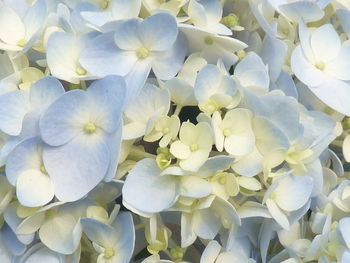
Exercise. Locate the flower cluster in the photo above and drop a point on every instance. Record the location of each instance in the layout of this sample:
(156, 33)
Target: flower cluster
(162, 131)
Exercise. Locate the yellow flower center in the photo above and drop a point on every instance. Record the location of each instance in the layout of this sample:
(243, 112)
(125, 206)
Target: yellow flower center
(142, 53)
(104, 4)
(166, 130)
(194, 147)
(108, 253)
(320, 65)
(227, 132)
(90, 128)
(230, 20)
(80, 71)
(208, 40)
(241, 54)
(22, 42)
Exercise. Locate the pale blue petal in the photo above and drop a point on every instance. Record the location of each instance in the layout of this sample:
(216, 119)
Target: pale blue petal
(158, 32)
(13, 106)
(63, 120)
(45, 91)
(99, 232)
(102, 57)
(126, 35)
(34, 19)
(25, 156)
(114, 143)
(78, 166)
(106, 100)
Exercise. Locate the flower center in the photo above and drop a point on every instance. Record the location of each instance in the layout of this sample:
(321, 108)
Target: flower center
(230, 20)
(208, 40)
(142, 53)
(90, 128)
(320, 65)
(109, 253)
(80, 71)
(22, 42)
(166, 130)
(227, 132)
(194, 147)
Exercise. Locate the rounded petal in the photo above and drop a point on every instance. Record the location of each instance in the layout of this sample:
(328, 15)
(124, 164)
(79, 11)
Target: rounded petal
(180, 150)
(61, 233)
(34, 188)
(304, 70)
(158, 32)
(25, 156)
(13, 107)
(12, 28)
(195, 187)
(325, 43)
(126, 35)
(210, 252)
(293, 192)
(78, 166)
(63, 120)
(146, 190)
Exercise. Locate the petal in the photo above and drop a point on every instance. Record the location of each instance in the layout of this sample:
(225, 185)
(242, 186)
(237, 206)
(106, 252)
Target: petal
(78, 166)
(102, 57)
(45, 91)
(344, 19)
(210, 252)
(63, 120)
(107, 97)
(148, 191)
(66, 237)
(337, 67)
(309, 11)
(187, 232)
(126, 35)
(114, 146)
(25, 156)
(158, 32)
(34, 188)
(206, 223)
(195, 187)
(249, 165)
(344, 227)
(240, 144)
(325, 43)
(304, 70)
(166, 67)
(300, 186)
(214, 164)
(35, 18)
(13, 106)
(180, 150)
(102, 234)
(126, 236)
(195, 160)
(207, 82)
(335, 94)
(42, 255)
(12, 28)
(277, 214)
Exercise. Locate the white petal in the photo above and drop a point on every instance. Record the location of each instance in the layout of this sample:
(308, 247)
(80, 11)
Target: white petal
(210, 252)
(309, 11)
(325, 43)
(277, 214)
(34, 188)
(300, 187)
(78, 166)
(12, 28)
(180, 150)
(35, 18)
(195, 187)
(206, 223)
(337, 67)
(148, 191)
(66, 236)
(304, 70)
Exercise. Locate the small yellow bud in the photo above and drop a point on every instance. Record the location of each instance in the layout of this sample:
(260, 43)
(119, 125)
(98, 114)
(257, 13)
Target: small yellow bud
(241, 54)
(142, 53)
(177, 253)
(227, 132)
(230, 20)
(43, 169)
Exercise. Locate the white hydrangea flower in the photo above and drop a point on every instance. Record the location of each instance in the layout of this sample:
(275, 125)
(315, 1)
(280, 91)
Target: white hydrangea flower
(194, 145)
(320, 62)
